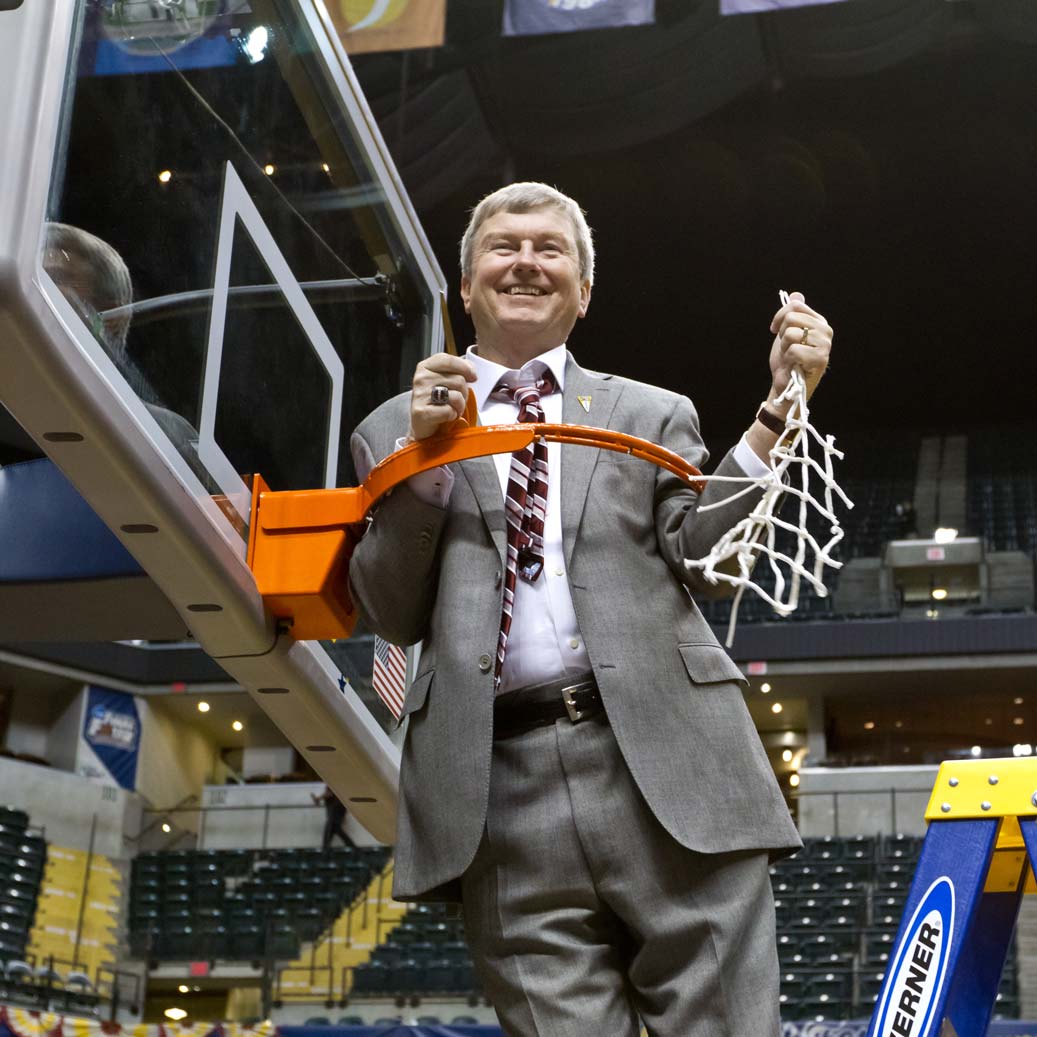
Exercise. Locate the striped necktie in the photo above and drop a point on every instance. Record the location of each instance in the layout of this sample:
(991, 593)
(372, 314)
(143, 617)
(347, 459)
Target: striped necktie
(525, 503)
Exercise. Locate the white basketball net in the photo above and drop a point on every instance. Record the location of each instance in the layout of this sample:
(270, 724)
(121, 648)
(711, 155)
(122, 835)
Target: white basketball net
(802, 451)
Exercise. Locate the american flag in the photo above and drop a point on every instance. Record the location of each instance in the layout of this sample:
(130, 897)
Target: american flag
(389, 675)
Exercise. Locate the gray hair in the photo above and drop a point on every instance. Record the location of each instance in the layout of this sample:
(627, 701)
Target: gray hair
(529, 197)
(99, 283)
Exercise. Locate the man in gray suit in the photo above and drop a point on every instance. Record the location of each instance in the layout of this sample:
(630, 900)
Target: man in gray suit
(584, 776)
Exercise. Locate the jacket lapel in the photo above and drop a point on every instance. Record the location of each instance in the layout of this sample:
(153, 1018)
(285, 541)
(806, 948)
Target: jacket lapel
(600, 396)
(482, 478)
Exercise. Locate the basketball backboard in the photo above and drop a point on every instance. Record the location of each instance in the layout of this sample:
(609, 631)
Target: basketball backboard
(209, 269)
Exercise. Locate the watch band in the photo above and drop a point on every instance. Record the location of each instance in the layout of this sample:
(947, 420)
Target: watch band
(771, 420)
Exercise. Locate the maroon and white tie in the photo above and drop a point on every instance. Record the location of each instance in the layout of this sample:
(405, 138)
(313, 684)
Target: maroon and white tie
(525, 503)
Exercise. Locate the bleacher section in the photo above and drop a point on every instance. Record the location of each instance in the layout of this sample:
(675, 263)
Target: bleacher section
(40, 922)
(1002, 491)
(323, 972)
(838, 905)
(77, 917)
(425, 955)
(22, 859)
(242, 905)
(879, 478)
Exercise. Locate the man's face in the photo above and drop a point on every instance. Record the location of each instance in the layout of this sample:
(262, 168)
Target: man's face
(524, 294)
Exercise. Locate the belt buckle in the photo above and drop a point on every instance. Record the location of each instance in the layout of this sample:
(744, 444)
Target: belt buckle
(575, 713)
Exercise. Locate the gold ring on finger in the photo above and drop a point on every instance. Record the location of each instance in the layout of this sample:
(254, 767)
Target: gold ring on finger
(803, 340)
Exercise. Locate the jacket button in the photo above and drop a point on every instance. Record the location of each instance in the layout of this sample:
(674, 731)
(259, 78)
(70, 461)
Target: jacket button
(497, 579)
(485, 662)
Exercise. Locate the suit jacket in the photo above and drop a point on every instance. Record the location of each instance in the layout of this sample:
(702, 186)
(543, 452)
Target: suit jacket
(672, 694)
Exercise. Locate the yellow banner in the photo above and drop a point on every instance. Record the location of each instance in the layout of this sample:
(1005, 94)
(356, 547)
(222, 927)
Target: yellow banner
(365, 26)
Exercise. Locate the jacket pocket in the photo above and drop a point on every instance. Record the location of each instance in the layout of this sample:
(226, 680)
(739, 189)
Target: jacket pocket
(709, 664)
(417, 694)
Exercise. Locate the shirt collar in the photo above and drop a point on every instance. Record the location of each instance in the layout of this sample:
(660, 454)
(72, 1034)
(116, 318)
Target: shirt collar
(489, 373)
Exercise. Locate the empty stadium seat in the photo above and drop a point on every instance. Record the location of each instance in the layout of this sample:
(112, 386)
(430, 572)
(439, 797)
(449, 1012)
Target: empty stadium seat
(272, 898)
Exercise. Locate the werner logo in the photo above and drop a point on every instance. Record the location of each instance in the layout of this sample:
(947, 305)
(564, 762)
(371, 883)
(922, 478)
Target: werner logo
(918, 967)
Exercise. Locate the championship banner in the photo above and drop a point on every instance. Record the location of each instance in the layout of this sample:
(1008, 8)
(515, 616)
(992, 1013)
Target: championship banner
(536, 17)
(366, 26)
(759, 6)
(110, 740)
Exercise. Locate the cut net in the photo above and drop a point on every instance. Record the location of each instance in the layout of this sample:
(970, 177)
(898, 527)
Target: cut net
(798, 454)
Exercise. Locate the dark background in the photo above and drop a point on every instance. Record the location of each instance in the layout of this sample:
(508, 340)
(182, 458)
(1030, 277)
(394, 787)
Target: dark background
(878, 155)
(899, 198)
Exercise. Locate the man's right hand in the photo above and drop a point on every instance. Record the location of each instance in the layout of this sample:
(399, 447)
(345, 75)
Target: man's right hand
(454, 372)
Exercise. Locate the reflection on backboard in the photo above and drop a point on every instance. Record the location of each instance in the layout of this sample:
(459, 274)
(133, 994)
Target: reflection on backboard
(267, 297)
(323, 414)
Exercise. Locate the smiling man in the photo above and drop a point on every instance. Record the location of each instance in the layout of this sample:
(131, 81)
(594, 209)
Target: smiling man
(579, 769)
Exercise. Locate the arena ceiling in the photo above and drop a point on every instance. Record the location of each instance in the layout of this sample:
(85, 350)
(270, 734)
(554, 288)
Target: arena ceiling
(879, 155)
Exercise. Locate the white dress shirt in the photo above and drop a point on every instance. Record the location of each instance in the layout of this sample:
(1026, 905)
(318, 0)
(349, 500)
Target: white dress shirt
(545, 641)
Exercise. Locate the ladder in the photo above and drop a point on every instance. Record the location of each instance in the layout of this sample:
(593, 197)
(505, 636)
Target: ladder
(977, 861)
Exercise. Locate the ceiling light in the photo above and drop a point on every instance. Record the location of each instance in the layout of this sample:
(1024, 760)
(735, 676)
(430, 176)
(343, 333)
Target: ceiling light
(256, 43)
(176, 1014)
(976, 750)
(1018, 721)
(269, 169)
(787, 756)
(939, 593)
(165, 827)
(776, 708)
(203, 707)
(238, 725)
(869, 725)
(794, 780)
(325, 167)
(164, 177)
(1017, 700)
(945, 534)
(183, 988)
(764, 688)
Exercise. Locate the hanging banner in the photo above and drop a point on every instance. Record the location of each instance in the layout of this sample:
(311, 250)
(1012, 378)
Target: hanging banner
(759, 6)
(110, 740)
(365, 26)
(535, 17)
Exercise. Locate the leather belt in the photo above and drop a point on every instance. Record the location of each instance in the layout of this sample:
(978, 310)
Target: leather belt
(540, 704)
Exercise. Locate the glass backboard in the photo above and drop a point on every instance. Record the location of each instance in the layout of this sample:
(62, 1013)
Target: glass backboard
(221, 230)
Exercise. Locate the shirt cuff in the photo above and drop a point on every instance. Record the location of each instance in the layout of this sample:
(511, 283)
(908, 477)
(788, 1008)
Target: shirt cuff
(431, 487)
(749, 461)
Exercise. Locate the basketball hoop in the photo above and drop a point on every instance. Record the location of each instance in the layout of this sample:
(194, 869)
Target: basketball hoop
(300, 541)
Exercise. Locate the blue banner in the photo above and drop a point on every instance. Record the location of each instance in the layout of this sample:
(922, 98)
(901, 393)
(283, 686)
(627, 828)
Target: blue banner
(111, 737)
(536, 17)
(759, 6)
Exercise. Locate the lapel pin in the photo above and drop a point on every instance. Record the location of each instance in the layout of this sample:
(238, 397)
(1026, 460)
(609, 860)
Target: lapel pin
(585, 403)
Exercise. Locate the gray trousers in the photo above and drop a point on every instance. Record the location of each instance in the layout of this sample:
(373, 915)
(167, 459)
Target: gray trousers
(583, 913)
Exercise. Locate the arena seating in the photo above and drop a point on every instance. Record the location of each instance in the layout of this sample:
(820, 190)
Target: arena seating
(1002, 491)
(839, 904)
(241, 905)
(424, 955)
(22, 859)
(878, 476)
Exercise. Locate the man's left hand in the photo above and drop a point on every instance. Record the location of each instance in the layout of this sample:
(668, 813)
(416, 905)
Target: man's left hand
(802, 340)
